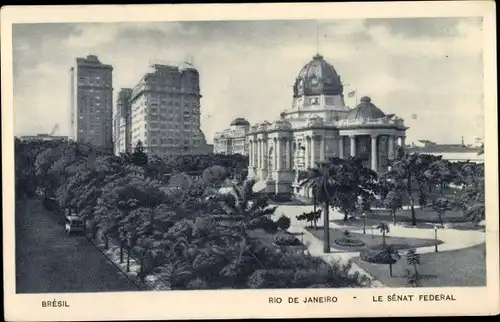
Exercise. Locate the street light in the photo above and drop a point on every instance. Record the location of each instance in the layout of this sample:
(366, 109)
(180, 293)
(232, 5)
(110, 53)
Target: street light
(435, 238)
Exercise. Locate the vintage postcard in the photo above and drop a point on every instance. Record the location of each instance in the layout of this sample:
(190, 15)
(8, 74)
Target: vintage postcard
(250, 160)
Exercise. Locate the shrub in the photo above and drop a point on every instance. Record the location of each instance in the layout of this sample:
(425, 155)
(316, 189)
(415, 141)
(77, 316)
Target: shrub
(313, 274)
(197, 284)
(285, 239)
(377, 255)
(283, 222)
(280, 197)
(267, 224)
(271, 278)
(349, 242)
(310, 217)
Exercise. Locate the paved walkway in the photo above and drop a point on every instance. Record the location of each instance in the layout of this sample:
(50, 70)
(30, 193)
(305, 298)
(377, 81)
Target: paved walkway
(452, 239)
(314, 245)
(151, 281)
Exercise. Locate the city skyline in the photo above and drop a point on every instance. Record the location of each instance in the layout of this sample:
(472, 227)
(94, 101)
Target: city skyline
(431, 67)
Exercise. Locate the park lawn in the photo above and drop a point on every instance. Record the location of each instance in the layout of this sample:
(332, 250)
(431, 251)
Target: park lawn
(373, 240)
(464, 267)
(422, 215)
(448, 192)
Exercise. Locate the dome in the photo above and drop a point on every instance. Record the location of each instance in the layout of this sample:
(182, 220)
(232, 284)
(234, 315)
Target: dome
(316, 78)
(365, 109)
(239, 122)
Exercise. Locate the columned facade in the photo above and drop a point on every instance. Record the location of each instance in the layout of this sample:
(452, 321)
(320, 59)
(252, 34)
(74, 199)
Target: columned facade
(319, 127)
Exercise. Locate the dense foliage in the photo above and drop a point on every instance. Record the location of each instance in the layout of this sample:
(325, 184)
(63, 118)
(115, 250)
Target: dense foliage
(169, 215)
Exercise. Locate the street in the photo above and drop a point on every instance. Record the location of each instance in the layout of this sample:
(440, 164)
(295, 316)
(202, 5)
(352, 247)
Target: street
(50, 261)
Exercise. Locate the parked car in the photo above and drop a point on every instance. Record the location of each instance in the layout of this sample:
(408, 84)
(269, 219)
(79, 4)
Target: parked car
(74, 224)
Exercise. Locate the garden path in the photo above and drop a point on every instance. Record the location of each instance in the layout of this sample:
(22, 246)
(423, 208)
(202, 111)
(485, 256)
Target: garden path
(452, 239)
(314, 245)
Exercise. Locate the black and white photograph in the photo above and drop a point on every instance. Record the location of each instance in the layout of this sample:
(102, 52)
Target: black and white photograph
(314, 154)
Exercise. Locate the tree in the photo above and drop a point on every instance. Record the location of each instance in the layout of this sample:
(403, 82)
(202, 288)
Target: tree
(406, 170)
(439, 172)
(393, 201)
(139, 157)
(422, 199)
(311, 217)
(413, 259)
(441, 206)
(352, 181)
(246, 209)
(283, 222)
(384, 228)
(473, 202)
(144, 248)
(322, 183)
(215, 175)
(391, 256)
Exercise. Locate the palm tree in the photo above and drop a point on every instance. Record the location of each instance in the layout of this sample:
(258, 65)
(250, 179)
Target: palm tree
(384, 228)
(322, 184)
(391, 256)
(413, 259)
(245, 208)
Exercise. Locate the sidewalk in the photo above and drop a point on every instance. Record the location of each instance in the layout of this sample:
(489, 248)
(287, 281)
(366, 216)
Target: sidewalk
(452, 239)
(315, 246)
(151, 282)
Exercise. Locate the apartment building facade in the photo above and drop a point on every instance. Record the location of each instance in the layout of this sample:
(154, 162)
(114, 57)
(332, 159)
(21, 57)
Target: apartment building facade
(165, 112)
(92, 102)
(122, 122)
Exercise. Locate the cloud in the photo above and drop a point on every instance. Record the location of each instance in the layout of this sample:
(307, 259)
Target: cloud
(247, 68)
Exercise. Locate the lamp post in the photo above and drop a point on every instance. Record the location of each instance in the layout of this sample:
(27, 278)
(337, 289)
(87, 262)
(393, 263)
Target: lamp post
(372, 231)
(435, 238)
(364, 223)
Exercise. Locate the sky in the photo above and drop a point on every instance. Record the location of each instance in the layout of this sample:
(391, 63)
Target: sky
(428, 71)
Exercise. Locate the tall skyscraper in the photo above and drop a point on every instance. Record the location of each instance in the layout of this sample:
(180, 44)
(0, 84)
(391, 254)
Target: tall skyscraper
(92, 102)
(122, 120)
(165, 107)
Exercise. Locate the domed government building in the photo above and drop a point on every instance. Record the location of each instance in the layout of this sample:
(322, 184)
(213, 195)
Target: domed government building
(318, 126)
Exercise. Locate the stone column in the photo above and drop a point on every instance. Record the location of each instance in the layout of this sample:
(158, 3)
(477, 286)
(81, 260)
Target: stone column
(278, 152)
(256, 153)
(275, 154)
(250, 154)
(353, 145)
(261, 144)
(390, 147)
(288, 152)
(374, 153)
(403, 141)
(334, 143)
(322, 149)
(340, 146)
(265, 155)
(307, 153)
(313, 152)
